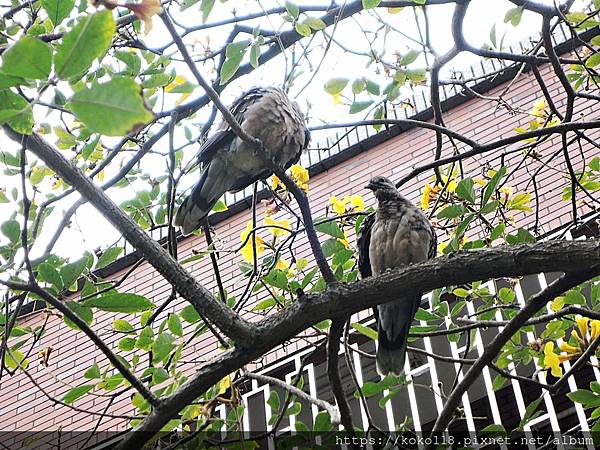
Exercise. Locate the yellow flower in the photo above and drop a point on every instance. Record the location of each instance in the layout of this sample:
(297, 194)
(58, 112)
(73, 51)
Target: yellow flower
(247, 250)
(338, 206)
(357, 202)
(285, 223)
(551, 360)
(426, 197)
(430, 193)
(539, 108)
(337, 99)
(595, 331)
(275, 182)
(582, 324)
(568, 348)
(282, 264)
(299, 173)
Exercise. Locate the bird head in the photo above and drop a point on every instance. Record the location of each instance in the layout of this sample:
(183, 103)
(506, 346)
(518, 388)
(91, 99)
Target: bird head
(383, 188)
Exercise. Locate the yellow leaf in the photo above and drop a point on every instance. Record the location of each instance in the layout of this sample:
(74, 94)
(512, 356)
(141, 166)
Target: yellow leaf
(557, 304)
(224, 384)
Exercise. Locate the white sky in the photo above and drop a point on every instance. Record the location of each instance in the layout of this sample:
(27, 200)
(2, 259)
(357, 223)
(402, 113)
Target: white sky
(91, 230)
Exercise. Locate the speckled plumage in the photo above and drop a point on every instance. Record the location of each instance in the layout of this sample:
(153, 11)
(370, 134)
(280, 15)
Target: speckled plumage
(396, 235)
(230, 164)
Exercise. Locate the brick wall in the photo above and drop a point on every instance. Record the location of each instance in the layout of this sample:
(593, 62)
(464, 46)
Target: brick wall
(25, 407)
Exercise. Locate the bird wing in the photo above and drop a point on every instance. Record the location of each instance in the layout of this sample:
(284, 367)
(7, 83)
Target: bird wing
(363, 242)
(223, 137)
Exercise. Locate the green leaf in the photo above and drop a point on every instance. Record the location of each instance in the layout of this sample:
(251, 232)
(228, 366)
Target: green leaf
(159, 375)
(367, 331)
(583, 396)
(12, 230)
(72, 271)
(58, 10)
(331, 228)
(358, 86)
(451, 212)
(16, 111)
(410, 57)
(126, 344)
(189, 314)
(174, 325)
(84, 313)
(28, 58)
(88, 40)
(7, 81)
(315, 23)
(322, 422)
(513, 16)
(425, 315)
(13, 358)
(93, 372)
(206, 7)
(336, 85)
(230, 67)
(460, 292)
(144, 341)
(593, 60)
(292, 9)
(497, 232)
(50, 275)
(220, 206)
(122, 326)
(520, 202)
(492, 185)
(273, 401)
(236, 48)
(498, 382)
(416, 75)
(76, 393)
(465, 190)
(120, 303)
(265, 304)
(114, 108)
(373, 88)
(162, 346)
(574, 297)
(507, 295)
(303, 29)
(368, 4)
(108, 256)
(255, 55)
(360, 106)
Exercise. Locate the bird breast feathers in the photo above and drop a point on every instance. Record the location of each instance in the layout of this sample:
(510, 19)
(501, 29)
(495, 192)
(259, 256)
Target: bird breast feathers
(396, 242)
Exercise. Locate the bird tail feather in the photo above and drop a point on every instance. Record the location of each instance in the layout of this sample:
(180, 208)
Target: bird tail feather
(390, 358)
(394, 320)
(212, 185)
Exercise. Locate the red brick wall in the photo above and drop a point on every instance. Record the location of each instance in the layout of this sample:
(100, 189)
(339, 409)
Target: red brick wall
(24, 407)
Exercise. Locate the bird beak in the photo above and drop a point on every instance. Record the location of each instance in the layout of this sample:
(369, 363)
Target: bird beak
(370, 186)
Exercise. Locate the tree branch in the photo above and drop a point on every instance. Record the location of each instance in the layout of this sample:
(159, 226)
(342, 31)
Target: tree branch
(203, 301)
